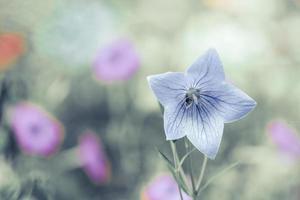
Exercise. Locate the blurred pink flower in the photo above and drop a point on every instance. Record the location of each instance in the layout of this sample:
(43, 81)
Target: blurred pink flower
(285, 138)
(93, 158)
(163, 187)
(117, 61)
(36, 132)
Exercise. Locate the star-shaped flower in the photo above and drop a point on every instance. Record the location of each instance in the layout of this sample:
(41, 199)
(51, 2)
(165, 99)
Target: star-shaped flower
(198, 102)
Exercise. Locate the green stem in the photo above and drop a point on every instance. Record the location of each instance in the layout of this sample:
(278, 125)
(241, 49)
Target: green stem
(180, 192)
(190, 164)
(67, 159)
(174, 152)
(201, 174)
(179, 168)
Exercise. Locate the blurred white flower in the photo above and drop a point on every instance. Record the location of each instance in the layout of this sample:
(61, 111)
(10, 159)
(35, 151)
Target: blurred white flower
(237, 44)
(75, 32)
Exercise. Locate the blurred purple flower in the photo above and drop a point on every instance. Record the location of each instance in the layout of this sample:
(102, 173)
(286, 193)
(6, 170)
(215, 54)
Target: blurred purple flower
(163, 187)
(198, 102)
(117, 61)
(93, 158)
(36, 132)
(285, 138)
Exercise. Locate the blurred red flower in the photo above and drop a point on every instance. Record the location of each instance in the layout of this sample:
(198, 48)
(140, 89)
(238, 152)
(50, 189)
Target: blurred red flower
(12, 45)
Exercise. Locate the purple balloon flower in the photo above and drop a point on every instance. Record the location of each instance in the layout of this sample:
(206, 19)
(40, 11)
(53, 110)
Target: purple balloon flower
(163, 188)
(117, 61)
(285, 138)
(93, 158)
(36, 132)
(198, 102)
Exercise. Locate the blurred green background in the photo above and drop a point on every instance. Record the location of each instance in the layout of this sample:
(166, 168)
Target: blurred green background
(258, 42)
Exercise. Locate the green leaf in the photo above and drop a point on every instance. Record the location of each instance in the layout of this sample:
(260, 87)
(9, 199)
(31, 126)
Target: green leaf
(166, 159)
(185, 157)
(211, 180)
(179, 180)
(174, 172)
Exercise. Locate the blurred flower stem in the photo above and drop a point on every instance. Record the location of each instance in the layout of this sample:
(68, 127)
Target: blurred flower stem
(190, 165)
(195, 188)
(67, 159)
(175, 156)
(198, 187)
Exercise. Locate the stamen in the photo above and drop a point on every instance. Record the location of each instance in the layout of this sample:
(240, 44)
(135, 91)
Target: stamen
(195, 98)
(192, 96)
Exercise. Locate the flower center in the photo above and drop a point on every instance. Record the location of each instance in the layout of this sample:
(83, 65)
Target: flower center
(115, 56)
(35, 129)
(192, 96)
